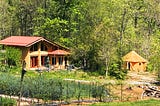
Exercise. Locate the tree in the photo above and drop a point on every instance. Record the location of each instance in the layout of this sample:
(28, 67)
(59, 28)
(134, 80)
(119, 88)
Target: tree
(13, 56)
(4, 19)
(99, 32)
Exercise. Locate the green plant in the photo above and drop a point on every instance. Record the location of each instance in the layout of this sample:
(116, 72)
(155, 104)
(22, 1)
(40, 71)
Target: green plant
(7, 102)
(13, 56)
(49, 88)
(151, 102)
(99, 92)
(116, 71)
(150, 67)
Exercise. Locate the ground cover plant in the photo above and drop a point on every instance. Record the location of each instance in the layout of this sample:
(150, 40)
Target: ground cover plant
(151, 102)
(7, 102)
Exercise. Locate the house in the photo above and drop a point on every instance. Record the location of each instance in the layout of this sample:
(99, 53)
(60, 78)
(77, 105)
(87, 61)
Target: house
(134, 62)
(37, 51)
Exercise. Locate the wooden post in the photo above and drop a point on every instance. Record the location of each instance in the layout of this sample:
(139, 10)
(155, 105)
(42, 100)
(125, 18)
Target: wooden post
(121, 91)
(23, 71)
(20, 94)
(39, 54)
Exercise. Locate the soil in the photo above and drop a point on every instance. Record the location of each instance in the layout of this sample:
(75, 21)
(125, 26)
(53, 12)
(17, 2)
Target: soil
(132, 90)
(141, 78)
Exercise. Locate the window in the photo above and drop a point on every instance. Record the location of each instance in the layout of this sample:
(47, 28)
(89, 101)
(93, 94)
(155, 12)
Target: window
(34, 61)
(34, 47)
(45, 60)
(42, 60)
(53, 60)
(43, 47)
(60, 60)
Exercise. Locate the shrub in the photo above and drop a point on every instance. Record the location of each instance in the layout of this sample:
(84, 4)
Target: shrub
(13, 56)
(116, 71)
(150, 67)
(99, 92)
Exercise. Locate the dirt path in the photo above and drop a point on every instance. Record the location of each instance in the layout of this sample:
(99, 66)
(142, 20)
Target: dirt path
(141, 78)
(132, 90)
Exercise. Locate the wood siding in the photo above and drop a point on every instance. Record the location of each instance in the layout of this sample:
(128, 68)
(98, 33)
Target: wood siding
(36, 56)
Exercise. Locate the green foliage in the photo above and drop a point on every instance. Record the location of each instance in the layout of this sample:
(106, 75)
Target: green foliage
(150, 67)
(99, 92)
(13, 56)
(136, 103)
(49, 88)
(52, 27)
(9, 84)
(95, 30)
(116, 71)
(7, 102)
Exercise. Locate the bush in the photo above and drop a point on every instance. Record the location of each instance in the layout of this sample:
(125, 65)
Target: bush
(13, 56)
(9, 59)
(99, 92)
(150, 67)
(116, 71)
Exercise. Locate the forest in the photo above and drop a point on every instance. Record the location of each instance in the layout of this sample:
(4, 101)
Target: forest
(98, 32)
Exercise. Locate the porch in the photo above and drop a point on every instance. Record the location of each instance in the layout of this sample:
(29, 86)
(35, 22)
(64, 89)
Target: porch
(57, 59)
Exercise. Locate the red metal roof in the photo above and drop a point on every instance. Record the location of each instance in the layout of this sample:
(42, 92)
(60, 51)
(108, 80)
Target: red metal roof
(21, 40)
(59, 52)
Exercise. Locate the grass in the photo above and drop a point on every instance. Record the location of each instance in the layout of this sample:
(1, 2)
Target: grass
(151, 102)
(62, 74)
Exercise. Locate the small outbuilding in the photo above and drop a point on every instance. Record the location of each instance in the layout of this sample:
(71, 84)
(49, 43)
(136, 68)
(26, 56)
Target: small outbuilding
(134, 62)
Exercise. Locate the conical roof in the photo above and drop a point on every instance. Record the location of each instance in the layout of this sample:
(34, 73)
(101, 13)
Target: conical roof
(133, 57)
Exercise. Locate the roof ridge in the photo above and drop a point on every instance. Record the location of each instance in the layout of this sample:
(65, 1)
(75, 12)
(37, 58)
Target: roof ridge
(134, 57)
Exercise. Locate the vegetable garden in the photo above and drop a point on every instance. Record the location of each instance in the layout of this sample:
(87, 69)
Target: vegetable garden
(51, 89)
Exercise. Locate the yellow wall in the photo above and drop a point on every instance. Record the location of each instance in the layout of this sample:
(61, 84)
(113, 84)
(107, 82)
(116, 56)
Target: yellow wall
(26, 55)
(138, 67)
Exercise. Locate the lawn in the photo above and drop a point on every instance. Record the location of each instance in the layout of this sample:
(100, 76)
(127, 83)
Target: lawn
(151, 102)
(62, 74)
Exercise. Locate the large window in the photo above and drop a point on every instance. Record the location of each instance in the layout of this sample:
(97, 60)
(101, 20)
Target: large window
(34, 61)
(53, 60)
(34, 47)
(42, 60)
(60, 60)
(45, 60)
(43, 47)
